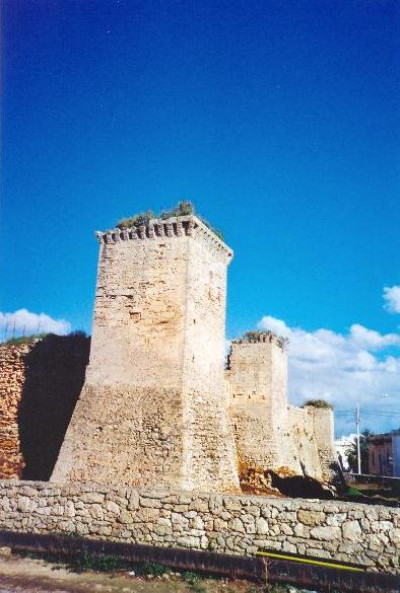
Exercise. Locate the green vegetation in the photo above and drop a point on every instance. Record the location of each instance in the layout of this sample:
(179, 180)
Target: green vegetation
(24, 339)
(351, 453)
(194, 581)
(98, 563)
(109, 563)
(80, 560)
(78, 335)
(352, 491)
(251, 336)
(318, 403)
(76, 558)
(183, 208)
(136, 221)
(254, 335)
(152, 568)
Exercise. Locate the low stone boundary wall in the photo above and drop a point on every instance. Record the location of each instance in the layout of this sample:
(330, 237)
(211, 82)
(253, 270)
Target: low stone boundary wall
(230, 524)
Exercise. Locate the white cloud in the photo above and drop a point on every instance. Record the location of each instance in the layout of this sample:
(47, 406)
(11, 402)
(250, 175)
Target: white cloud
(276, 325)
(370, 339)
(345, 369)
(23, 322)
(392, 297)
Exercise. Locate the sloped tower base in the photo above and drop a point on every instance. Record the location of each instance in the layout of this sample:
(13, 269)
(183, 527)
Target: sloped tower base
(148, 439)
(154, 408)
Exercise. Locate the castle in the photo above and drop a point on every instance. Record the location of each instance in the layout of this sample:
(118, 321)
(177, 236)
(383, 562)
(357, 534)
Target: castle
(158, 408)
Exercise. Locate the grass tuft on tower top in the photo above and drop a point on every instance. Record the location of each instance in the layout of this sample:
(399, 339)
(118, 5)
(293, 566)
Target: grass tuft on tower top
(183, 208)
(318, 403)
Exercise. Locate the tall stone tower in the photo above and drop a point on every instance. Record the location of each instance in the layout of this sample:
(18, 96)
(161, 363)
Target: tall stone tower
(154, 407)
(257, 378)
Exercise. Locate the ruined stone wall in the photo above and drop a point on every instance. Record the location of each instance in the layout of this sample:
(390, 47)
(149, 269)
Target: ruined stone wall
(269, 433)
(348, 532)
(324, 437)
(39, 384)
(301, 442)
(12, 378)
(311, 441)
(153, 408)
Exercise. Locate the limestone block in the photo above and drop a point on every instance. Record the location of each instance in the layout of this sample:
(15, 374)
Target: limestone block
(395, 537)
(311, 518)
(112, 507)
(262, 527)
(325, 533)
(351, 530)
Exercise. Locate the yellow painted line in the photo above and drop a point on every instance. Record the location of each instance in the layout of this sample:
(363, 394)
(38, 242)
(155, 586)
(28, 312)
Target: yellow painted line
(308, 561)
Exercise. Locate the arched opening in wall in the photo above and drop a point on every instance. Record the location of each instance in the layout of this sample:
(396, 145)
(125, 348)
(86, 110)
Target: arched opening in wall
(54, 376)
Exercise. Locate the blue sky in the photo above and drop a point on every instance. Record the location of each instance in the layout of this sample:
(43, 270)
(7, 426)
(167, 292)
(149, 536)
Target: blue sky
(280, 120)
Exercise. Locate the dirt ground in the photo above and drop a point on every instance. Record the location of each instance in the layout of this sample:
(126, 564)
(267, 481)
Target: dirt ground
(28, 575)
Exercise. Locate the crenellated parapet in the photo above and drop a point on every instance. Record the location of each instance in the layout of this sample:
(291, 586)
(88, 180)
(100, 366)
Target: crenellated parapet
(181, 226)
(153, 409)
(259, 337)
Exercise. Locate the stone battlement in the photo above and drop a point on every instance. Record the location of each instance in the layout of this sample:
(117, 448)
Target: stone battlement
(170, 227)
(261, 338)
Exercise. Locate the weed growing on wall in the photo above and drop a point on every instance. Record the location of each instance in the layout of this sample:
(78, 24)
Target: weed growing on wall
(257, 335)
(318, 403)
(23, 339)
(183, 208)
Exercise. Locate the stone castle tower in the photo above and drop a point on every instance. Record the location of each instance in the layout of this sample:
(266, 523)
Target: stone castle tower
(269, 433)
(257, 376)
(154, 407)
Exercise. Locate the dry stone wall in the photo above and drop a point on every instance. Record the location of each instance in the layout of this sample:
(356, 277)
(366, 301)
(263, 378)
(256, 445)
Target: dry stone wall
(369, 536)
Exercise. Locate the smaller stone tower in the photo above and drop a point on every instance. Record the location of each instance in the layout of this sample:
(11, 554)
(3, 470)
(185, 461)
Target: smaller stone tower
(269, 433)
(257, 377)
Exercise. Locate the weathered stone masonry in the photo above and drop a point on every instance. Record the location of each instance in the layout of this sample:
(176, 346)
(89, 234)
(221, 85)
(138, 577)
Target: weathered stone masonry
(12, 378)
(40, 382)
(154, 407)
(157, 408)
(342, 531)
(270, 433)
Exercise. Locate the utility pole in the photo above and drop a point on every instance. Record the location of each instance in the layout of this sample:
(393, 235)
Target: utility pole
(358, 438)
